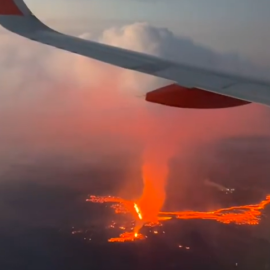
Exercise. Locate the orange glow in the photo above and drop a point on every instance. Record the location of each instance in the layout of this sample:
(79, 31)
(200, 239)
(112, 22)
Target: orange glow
(138, 211)
(241, 215)
(246, 214)
(119, 205)
(127, 237)
(154, 179)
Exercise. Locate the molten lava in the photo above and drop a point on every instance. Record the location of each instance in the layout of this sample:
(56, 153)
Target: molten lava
(241, 215)
(246, 214)
(119, 205)
(127, 237)
(138, 211)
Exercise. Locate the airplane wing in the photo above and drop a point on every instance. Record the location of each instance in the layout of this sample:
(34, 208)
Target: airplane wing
(193, 87)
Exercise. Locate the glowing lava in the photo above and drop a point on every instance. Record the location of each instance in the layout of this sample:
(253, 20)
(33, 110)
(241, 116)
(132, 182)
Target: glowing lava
(138, 211)
(119, 205)
(241, 215)
(127, 237)
(246, 214)
(154, 195)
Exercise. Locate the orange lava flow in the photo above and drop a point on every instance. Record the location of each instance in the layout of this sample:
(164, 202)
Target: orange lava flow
(246, 214)
(127, 237)
(119, 205)
(241, 215)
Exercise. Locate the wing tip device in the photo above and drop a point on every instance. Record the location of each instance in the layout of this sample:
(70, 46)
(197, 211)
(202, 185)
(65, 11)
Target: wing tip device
(14, 8)
(177, 96)
(9, 7)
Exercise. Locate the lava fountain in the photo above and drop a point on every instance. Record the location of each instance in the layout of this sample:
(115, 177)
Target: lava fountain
(155, 173)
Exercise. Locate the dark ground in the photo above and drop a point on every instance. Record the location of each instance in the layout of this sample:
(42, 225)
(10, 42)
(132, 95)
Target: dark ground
(36, 234)
(42, 201)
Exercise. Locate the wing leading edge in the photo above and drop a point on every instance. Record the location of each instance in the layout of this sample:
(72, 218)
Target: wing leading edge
(16, 17)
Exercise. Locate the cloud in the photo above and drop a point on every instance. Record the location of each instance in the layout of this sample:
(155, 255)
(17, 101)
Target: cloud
(164, 43)
(57, 105)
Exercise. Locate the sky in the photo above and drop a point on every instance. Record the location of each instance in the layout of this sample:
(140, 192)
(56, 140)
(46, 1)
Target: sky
(226, 26)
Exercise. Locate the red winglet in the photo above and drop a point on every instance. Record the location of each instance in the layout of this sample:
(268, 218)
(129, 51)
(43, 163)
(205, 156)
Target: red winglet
(8, 7)
(177, 96)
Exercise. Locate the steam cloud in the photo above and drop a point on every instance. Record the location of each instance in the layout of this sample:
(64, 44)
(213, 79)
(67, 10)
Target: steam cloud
(58, 105)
